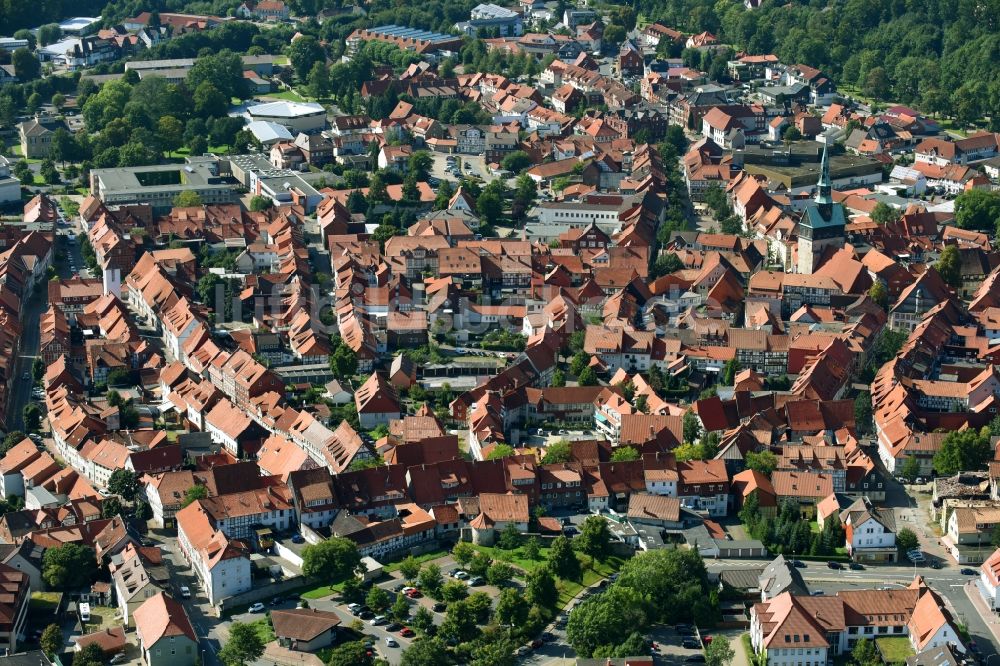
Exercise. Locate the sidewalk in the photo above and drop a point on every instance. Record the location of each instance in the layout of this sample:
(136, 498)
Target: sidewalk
(990, 618)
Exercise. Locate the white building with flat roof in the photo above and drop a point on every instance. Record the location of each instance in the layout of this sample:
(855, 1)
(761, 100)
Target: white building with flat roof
(296, 116)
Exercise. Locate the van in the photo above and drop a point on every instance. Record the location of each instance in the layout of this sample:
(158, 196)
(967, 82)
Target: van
(84, 612)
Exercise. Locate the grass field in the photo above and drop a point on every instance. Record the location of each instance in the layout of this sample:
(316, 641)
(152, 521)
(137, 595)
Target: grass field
(894, 649)
(323, 591)
(263, 630)
(426, 557)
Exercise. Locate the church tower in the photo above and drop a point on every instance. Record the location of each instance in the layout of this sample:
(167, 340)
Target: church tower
(822, 223)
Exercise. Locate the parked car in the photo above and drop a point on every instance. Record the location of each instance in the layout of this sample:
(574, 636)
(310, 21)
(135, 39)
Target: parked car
(439, 607)
(393, 626)
(414, 594)
(968, 572)
(354, 608)
(119, 658)
(185, 592)
(696, 659)
(459, 574)
(377, 620)
(298, 538)
(256, 608)
(406, 632)
(391, 642)
(366, 615)
(690, 644)
(535, 644)
(548, 637)
(856, 566)
(798, 564)
(475, 581)
(835, 565)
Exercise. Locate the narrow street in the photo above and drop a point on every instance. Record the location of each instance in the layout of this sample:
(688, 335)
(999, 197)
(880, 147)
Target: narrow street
(20, 392)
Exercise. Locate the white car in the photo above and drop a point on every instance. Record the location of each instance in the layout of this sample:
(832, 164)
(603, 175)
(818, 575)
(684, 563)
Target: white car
(119, 658)
(460, 575)
(256, 608)
(185, 592)
(408, 589)
(377, 620)
(391, 642)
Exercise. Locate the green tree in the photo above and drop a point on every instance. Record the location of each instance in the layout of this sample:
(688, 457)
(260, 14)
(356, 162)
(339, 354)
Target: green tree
(563, 560)
(512, 609)
(624, 454)
(879, 294)
(427, 652)
(516, 162)
(343, 361)
(260, 203)
(691, 427)
(673, 583)
(410, 568)
(304, 52)
(243, 647)
(187, 199)
(719, 652)
(729, 371)
(602, 622)
(31, 415)
(863, 413)
(123, 482)
(490, 208)
(378, 599)
(350, 654)
(906, 540)
(334, 559)
(865, 654)
(883, 213)
(499, 574)
(26, 65)
(978, 209)
(764, 462)
(419, 164)
(12, 439)
(400, 610)
(558, 378)
(510, 537)
(209, 101)
(38, 369)
(319, 80)
(560, 451)
(463, 552)
(454, 590)
(595, 537)
(431, 580)
(501, 451)
(541, 587)
(532, 549)
(587, 377)
(51, 641)
(911, 468)
(962, 451)
(949, 265)
(170, 133)
(422, 620)
(69, 567)
(791, 134)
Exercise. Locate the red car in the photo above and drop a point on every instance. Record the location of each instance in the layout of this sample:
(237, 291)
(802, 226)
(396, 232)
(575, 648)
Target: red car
(414, 594)
(707, 640)
(406, 632)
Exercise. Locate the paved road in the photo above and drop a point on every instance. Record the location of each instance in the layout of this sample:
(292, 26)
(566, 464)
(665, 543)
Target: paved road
(20, 393)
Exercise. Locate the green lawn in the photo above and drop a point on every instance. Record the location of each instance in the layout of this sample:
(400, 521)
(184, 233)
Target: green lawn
(894, 649)
(569, 589)
(185, 151)
(44, 601)
(426, 557)
(263, 630)
(515, 557)
(289, 95)
(323, 591)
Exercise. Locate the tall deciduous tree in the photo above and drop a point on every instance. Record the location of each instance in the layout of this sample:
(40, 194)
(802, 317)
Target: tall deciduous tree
(334, 559)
